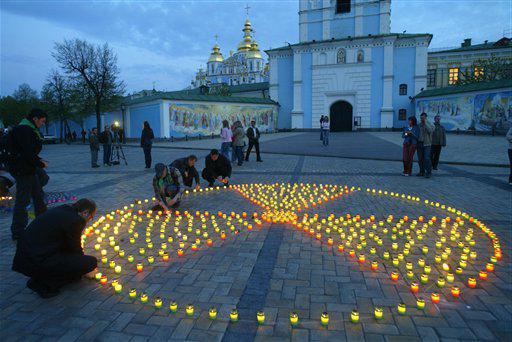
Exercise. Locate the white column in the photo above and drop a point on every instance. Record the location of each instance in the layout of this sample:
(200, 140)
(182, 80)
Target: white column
(303, 19)
(164, 119)
(420, 71)
(127, 125)
(273, 90)
(386, 112)
(297, 113)
(358, 19)
(385, 16)
(327, 13)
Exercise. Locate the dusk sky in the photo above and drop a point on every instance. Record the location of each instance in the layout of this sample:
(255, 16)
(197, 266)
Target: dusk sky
(167, 41)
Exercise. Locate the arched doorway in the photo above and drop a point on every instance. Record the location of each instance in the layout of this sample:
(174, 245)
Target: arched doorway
(341, 116)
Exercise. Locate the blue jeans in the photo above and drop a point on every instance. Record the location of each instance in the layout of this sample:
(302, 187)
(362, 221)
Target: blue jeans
(239, 152)
(225, 149)
(325, 137)
(424, 161)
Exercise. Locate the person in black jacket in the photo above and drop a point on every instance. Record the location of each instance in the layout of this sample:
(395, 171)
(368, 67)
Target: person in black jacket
(50, 250)
(25, 144)
(188, 171)
(253, 134)
(106, 139)
(146, 142)
(217, 167)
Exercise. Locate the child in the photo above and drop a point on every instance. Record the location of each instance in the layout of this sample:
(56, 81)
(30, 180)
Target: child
(167, 187)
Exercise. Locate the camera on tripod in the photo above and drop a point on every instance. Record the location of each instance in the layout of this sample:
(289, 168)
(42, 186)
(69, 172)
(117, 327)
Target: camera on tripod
(117, 147)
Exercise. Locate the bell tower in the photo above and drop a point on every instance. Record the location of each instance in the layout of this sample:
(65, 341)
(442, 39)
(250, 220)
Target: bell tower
(338, 19)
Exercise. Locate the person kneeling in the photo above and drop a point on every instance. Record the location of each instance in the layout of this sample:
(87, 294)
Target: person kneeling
(167, 187)
(50, 251)
(217, 167)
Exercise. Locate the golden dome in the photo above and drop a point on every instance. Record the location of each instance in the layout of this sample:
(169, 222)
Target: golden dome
(245, 45)
(254, 52)
(216, 56)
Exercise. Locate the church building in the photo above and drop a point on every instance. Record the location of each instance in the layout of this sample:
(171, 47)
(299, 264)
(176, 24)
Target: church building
(246, 66)
(348, 66)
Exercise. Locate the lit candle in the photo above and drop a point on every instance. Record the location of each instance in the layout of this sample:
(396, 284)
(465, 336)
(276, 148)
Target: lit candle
(414, 288)
(233, 315)
(117, 269)
(362, 259)
(472, 282)
(189, 310)
(489, 267)
(209, 242)
(441, 282)
(118, 288)
(394, 276)
(354, 316)
(450, 277)
(324, 319)
(424, 278)
(294, 318)
(130, 258)
(455, 292)
(151, 259)
(180, 252)
(378, 313)
(139, 267)
(165, 257)
(375, 265)
(401, 308)
(212, 313)
(260, 316)
(482, 275)
(133, 293)
(143, 298)
(158, 302)
(173, 306)
(103, 280)
(420, 304)
(97, 276)
(435, 297)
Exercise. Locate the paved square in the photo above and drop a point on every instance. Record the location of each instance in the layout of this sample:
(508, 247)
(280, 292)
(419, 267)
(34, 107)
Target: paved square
(277, 267)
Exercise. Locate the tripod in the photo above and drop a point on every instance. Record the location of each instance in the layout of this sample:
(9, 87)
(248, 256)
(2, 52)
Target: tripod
(117, 152)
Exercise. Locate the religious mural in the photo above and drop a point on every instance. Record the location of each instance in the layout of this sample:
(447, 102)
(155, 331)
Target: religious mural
(468, 112)
(205, 119)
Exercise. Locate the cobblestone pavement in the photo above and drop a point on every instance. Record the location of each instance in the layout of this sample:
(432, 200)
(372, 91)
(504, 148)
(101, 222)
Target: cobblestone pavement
(275, 268)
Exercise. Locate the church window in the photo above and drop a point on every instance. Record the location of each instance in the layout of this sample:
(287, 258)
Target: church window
(322, 58)
(402, 90)
(360, 56)
(402, 114)
(341, 58)
(431, 77)
(453, 75)
(342, 6)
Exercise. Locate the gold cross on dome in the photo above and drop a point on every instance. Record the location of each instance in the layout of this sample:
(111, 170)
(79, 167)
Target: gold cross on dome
(247, 8)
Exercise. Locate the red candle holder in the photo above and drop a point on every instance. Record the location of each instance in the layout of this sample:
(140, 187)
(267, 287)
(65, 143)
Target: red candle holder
(435, 298)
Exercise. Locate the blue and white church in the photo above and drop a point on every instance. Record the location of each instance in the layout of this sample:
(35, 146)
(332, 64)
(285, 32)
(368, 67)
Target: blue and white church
(348, 66)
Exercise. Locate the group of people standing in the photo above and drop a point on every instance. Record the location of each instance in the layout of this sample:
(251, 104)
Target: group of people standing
(106, 138)
(233, 141)
(425, 139)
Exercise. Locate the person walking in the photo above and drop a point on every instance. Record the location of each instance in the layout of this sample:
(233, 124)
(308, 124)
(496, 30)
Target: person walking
(509, 138)
(424, 144)
(227, 140)
(238, 142)
(106, 139)
(94, 145)
(410, 135)
(50, 250)
(146, 142)
(253, 134)
(25, 165)
(321, 130)
(74, 136)
(325, 131)
(438, 141)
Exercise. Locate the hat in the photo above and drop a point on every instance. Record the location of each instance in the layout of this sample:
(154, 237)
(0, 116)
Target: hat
(423, 114)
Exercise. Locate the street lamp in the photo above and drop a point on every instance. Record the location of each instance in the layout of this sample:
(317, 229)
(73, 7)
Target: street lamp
(123, 108)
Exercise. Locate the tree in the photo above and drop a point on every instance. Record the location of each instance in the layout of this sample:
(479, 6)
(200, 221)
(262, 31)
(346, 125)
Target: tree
(486, 70)
(56, 98)
(93, 69)
(14, 108)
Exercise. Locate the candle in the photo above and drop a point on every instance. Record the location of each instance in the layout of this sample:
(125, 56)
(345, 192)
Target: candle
(455, 292)
(435, 297)
(424, 278)
(450, 277)
(378, 313)
(421, 262)
(103, 280)
(394, 276)
(189, 310)
(209, 242)
(165, 257)
(118, 288)
(133, 293)
(354, 316)
(143, 297)
(427, 269)
(97, 276)
(294, 318)
(173, 306)
(489, 267)
(472, 282)
(151, 259)
(324, 319)
(233, 315)
(180, 252)
(401, 308)
(414, 288)
(375, 265)
(212, 313)
(260, 316)
(130, 258)
(420, 304)
(424, 250)
(117, 269)
(139, 267)
(158, 302)
(441, 282)
(482, 275)
(362, 259)
(409, 275)
(112, 264)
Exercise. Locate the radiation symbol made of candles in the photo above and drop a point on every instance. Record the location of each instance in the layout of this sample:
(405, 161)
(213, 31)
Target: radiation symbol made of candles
(437, 258)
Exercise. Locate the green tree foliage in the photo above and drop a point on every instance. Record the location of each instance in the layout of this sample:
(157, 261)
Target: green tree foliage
(16, 106)
(486, 70)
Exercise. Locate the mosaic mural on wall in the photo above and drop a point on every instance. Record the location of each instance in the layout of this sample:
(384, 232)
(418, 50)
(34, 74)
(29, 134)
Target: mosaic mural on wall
(205, 119)
(468, 112)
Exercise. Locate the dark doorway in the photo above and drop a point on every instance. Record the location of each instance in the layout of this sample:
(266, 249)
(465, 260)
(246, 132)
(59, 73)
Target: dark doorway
(341, 117)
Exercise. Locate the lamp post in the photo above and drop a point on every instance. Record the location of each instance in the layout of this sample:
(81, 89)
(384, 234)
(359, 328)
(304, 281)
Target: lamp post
(123, 108)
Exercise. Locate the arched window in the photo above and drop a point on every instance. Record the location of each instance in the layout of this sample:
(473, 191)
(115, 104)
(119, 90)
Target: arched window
(322, 58)
(402, 90)
(341, 56)
(360, 56)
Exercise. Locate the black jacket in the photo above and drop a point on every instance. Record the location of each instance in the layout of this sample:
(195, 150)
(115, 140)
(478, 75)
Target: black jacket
(250, 134)
(57, 231)
(219, 167)
(146, 138)
(186, 171)
(24, 147)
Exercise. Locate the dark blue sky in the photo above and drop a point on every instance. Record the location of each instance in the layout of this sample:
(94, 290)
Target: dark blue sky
(167, 41)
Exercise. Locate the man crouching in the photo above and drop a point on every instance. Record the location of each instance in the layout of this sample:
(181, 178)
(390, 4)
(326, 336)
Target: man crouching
(50, 252)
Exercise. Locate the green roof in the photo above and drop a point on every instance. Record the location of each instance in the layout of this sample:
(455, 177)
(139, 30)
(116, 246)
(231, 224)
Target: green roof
(466, 88)
(248, 87)
(186, 95)
(501, 44)
(398, 35)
